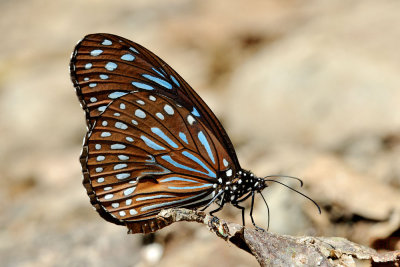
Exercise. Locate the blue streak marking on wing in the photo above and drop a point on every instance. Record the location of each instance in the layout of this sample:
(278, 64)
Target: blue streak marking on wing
(163, 71)
(153, 197)
(151, 159)
(206, 145)
(134, 50)
(189, 187)
(169, 179)
(158, 80)
(142, 86)
(159, 73)
(168, 159)
(116, 95)
(164, 170)
(161, 134)
(151, 144)
(145, 208)
(195, 112)
(183, 137)
(198, 161)
(175, 81)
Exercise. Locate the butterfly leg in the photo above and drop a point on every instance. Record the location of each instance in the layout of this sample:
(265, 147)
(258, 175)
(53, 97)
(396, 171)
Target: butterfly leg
(251, 213)
(212, 200)
(236, 205)
(221, 205)
(215, 221)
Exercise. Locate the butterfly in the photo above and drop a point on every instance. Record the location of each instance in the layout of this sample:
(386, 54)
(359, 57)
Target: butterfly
(152, 143)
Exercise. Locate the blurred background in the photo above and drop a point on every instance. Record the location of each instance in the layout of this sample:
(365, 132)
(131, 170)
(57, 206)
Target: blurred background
(304, 88)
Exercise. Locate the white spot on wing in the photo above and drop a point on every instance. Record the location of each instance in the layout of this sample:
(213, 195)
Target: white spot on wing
(118, 146)
(96, 52)
(106, 42)
(123, 157)
(190, 119)
(111, 66)
(128, 57)
(120, 166)
(100, 158)
(121, 125)
(132, 212)
(140, 114)
(169, 109)
(122, 176)
(129, 191)
(160, 116)
(225, 162)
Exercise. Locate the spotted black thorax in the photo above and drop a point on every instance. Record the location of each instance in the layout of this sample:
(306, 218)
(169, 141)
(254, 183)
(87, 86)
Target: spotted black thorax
(236, 188)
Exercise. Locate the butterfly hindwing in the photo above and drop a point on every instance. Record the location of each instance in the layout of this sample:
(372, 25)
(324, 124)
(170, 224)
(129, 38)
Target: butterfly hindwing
(146, 152)
(105, 67)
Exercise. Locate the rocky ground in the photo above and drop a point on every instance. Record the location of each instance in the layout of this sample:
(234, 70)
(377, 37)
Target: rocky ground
(304, 88)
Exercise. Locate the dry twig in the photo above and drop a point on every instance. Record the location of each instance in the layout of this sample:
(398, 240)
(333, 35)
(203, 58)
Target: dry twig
(281, 250)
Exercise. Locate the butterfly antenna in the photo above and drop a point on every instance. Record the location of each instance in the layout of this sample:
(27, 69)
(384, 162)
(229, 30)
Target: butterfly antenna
(315, 203)
(267, 209)
(285, 176)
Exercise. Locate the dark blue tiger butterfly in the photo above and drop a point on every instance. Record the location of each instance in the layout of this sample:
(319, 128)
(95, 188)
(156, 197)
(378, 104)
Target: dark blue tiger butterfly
(152, 142)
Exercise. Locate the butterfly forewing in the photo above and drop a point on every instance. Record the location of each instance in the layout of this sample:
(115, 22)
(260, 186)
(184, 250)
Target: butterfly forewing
(105, 67)
(146, 152)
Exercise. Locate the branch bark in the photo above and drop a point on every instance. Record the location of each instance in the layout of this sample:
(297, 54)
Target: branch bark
(282, 250)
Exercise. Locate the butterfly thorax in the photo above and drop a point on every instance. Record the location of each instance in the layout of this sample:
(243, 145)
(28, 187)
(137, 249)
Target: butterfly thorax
(238, 188)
